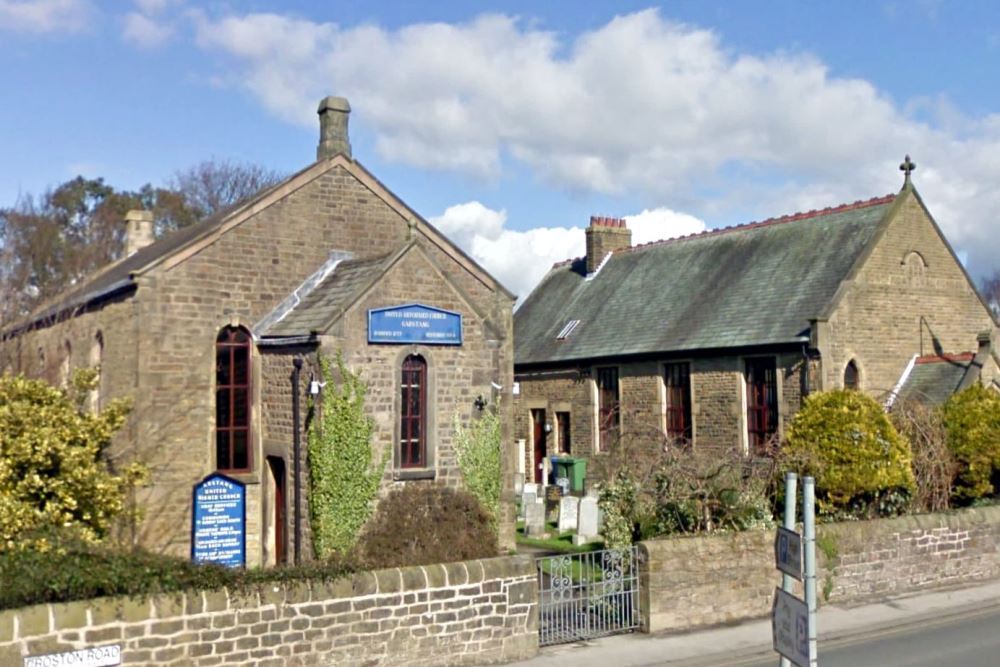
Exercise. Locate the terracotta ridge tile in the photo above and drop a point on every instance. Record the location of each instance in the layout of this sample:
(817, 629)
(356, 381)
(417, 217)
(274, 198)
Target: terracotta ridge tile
(934, 358)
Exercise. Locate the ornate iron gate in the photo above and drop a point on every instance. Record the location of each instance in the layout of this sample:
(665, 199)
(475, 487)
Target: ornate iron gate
(582, 596)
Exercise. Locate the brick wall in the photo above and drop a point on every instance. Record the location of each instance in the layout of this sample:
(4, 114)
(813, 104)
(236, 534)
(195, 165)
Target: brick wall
(472, 613)
(700, 581)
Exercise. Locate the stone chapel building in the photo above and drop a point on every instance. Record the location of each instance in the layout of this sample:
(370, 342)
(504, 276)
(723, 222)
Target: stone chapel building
(204, 330)
(714, 338)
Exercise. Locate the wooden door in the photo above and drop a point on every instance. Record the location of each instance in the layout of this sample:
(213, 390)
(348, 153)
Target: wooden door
(541, 448)
(280, 546)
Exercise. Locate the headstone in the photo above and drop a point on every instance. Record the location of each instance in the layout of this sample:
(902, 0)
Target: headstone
(534, 518)
(568, 506)
(530, 487)
(563, 484)
(518, 483)
(586, 527)
(527, 498)
(552, 495)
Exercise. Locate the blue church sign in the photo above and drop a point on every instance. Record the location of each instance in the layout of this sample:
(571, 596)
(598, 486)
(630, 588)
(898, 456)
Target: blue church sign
(218, 522)
(414, 323)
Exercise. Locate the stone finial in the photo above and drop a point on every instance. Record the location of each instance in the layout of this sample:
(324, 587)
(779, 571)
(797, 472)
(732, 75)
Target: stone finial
(333, 135)
(138, 231)
(907, 167)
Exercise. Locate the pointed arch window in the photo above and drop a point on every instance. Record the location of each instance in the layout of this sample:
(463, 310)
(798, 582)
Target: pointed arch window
(851, 377)
(413, 415)
(232, 400)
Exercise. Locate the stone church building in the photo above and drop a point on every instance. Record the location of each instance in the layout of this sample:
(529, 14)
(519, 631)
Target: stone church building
(714, 339)
(208, 330)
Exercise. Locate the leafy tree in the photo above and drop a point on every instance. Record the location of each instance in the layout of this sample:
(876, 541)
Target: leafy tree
(343, 469)
(845, 440)
(52, 473)
(972, 426)
(479, 451)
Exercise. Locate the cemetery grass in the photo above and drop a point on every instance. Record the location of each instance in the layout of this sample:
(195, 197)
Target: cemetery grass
(561, 543)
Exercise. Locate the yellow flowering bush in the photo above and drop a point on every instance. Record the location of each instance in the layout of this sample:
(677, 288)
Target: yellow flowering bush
(52, 473)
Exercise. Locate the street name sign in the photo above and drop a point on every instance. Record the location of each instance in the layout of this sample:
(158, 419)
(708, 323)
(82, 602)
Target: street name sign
(790, 627)
(788, 552)
(99, 656)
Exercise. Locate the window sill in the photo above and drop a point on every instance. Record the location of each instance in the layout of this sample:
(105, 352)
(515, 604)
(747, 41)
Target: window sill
(247, 477)
(410, 474)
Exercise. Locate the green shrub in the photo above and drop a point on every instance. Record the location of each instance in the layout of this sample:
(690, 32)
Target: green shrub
(52, 469)
(420, 524)
(478, 449)
(344, 475)
(619, 503)
(972, 427)
(69, 568)
(844, 439)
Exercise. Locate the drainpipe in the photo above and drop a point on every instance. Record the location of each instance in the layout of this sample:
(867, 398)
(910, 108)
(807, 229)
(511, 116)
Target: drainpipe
(297, 454)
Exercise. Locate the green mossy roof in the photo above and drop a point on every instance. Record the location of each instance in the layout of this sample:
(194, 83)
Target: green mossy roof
(933, 380)
(757, 284)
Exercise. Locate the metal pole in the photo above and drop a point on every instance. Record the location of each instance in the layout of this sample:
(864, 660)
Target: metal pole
(297, 455)
(791, 498)
(809, 543)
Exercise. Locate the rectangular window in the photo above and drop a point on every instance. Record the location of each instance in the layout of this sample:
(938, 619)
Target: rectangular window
(677, 383)
(762, 404)
(562, 428)
(608, 407)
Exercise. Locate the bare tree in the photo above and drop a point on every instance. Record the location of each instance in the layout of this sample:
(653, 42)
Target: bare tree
(989, 287)
(213, 185)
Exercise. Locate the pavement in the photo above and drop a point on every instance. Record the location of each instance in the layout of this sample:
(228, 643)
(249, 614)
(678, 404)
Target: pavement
(751, 641)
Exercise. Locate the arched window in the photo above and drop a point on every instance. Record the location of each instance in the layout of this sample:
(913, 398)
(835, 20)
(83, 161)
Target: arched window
(851, 375)
(232, 400)
(413, 413)
(65, 364)
(96, 358)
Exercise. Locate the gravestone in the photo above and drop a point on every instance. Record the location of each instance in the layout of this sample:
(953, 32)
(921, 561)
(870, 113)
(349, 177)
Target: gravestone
(568, 506)
(534, 518)
(527, 498)
(518, 483)
(586, 528)
(552, 496)
(530, 487)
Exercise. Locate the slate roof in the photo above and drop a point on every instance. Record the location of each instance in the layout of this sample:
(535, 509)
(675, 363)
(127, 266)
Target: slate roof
(317, 303)
(934, 378)
(754, 284)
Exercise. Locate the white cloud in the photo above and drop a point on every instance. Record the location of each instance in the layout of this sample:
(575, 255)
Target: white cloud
(519, 259)
(638, 105)
(144, 31)
(40, 16)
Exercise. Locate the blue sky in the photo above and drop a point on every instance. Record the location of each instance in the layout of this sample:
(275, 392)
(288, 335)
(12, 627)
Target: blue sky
(509, 124)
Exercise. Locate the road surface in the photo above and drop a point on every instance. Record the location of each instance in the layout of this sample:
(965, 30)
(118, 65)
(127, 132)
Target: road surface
(969, 640)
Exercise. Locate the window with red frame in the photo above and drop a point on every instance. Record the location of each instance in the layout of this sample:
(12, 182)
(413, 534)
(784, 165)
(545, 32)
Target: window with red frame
(413, 426)
(232, 400)
(608, 407)
(762, 403)
(677, 382)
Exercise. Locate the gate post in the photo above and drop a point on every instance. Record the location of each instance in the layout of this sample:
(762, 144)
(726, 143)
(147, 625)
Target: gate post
(645, 599)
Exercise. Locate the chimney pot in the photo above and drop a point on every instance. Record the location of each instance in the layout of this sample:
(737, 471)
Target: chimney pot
(333, 134)
(138, 231)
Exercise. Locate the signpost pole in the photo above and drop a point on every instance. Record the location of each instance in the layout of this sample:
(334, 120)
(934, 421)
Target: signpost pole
(791, 498)
(809, 543)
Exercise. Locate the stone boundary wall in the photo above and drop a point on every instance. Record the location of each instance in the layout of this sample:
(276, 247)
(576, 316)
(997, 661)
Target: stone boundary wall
(692, 582)
(471, 613)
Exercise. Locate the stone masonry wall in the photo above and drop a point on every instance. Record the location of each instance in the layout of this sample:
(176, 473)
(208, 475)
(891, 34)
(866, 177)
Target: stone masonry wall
(909, 288)
(472, 613)
(702, 581)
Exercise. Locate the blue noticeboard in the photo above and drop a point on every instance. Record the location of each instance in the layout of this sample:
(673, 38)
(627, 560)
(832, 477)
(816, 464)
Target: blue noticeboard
(414, 323)
(218, 521)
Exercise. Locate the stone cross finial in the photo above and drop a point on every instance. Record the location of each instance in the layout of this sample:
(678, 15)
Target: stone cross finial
(907, 168)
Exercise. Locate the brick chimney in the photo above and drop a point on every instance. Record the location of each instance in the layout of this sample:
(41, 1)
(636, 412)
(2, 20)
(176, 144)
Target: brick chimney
(333, 136)
(138, 231)
(604, 236)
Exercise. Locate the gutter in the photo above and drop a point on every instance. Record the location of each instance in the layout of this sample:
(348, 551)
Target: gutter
(288, 340)
(87, 299)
